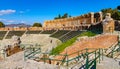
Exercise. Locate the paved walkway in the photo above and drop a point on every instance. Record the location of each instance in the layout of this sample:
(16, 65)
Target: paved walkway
(108, 63)
(16, 61)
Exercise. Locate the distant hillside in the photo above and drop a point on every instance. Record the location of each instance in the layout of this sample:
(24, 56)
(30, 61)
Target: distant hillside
(18, 25)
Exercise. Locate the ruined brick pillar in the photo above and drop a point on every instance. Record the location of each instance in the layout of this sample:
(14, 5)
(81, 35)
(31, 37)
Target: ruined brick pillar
(101, 17)
(108, 24)
(92, 17)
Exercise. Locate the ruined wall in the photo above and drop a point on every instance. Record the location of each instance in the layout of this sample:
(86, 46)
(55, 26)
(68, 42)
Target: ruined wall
(74, 22)
(109, 28)
(108, 24)
(117, 25)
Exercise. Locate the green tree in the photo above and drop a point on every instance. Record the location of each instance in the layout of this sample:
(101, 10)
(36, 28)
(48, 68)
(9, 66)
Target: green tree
(64, 16)
(115, 14)
(70, 16)
(56, 18)
(108, 10)
(37, 25)
(59, 16)
(2, 24)
(118, 7)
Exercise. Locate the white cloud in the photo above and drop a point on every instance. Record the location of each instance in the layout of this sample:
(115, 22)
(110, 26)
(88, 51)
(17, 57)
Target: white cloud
(22, 21)
(7, 21)
(1, 19)
(8, 11)
(10, 21)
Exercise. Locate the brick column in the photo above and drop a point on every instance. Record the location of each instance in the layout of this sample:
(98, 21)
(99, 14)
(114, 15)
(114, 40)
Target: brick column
(101, 17)
(92, 17)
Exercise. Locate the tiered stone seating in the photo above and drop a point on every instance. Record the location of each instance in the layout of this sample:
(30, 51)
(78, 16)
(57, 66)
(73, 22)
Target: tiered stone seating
(2, 34)
(48, 32)
(33, 32)
(70, 35)
(12, 33)
(59, 33)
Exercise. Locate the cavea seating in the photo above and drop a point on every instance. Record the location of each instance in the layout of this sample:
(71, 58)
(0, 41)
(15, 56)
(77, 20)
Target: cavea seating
(12, 33)
(48, 32)
(33, 32)
(59, 33)
(70, 35)
(2, 34)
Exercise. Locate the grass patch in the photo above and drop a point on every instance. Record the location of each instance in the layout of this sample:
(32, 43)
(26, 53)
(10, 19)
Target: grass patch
(61, 47)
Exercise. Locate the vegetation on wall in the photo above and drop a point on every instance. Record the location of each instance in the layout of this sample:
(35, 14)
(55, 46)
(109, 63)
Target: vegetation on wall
(61, 47)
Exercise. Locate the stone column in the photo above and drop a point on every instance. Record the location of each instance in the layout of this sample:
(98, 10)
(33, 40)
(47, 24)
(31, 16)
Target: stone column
(92, 17)
(101, 17)
(78, 22)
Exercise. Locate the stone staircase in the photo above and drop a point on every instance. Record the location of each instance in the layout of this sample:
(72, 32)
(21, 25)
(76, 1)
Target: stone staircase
(6, 35)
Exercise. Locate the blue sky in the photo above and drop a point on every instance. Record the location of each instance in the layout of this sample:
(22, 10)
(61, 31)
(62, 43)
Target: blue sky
(30, 11)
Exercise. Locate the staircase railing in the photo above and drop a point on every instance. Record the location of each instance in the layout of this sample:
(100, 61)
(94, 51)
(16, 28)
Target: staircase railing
(66, 58)
(115, 49)
(30, 51)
